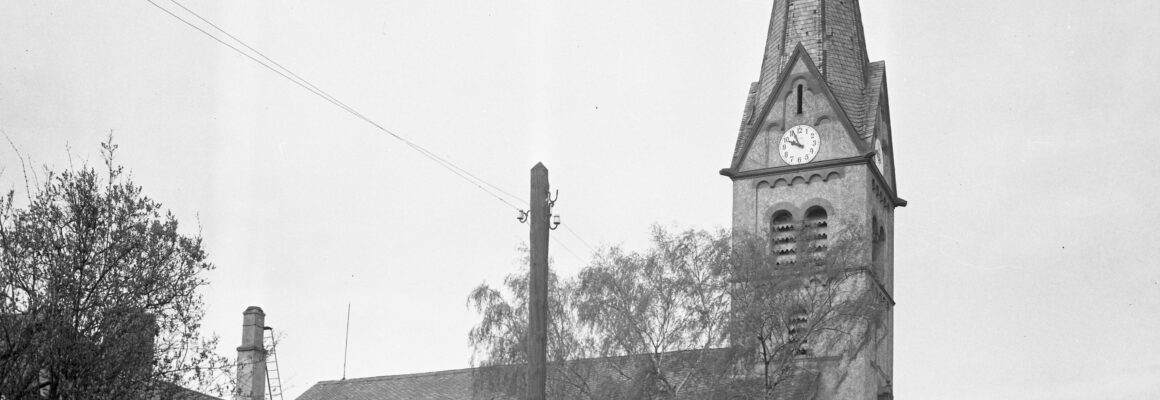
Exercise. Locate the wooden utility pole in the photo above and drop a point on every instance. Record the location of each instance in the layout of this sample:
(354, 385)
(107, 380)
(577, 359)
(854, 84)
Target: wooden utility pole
(541, 213)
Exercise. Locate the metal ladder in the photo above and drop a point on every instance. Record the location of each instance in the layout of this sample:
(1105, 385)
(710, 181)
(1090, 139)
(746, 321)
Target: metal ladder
(273, 378)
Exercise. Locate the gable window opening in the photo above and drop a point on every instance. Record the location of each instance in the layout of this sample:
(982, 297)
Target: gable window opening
(799, 99)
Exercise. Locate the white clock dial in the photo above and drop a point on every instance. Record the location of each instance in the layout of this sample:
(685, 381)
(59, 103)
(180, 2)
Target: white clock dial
(879, 157)
(799, 145)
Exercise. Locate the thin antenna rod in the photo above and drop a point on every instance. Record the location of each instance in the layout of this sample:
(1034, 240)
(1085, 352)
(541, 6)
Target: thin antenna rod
(346, 343)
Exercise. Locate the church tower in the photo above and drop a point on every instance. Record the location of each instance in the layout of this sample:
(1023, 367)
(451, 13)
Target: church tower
(814, 159)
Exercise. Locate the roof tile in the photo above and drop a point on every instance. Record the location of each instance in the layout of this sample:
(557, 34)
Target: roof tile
(460, 384)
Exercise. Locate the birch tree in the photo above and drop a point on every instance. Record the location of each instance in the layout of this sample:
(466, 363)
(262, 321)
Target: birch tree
(696, 315)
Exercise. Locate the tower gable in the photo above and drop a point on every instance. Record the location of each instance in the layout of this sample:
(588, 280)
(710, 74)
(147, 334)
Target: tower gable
(819, 108)
(877, 120)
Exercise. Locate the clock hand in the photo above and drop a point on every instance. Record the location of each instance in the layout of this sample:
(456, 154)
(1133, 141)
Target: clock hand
(795, 142)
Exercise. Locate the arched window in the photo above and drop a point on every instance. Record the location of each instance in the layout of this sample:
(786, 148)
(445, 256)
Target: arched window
(817, 232)
(783, 231)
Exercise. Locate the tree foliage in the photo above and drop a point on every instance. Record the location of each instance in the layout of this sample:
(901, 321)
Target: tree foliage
(821, 305)
(628, 326)
(659, 312)
(500, 339)
(698, 314)
(99, 292)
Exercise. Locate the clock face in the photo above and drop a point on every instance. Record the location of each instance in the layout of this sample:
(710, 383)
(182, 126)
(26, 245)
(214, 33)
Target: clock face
(879, 158)
(799, 145)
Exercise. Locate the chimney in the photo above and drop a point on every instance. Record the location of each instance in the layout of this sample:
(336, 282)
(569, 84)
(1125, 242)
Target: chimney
(251, 383)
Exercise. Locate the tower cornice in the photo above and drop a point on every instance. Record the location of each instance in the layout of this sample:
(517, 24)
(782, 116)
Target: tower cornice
(865, 159)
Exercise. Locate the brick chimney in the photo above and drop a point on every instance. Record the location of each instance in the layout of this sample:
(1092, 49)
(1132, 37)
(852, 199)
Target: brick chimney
(251, 383)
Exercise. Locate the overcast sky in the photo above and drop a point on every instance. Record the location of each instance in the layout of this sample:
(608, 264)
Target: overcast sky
(1023, 132)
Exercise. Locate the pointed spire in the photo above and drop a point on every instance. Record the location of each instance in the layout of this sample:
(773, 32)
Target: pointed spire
(831, 32)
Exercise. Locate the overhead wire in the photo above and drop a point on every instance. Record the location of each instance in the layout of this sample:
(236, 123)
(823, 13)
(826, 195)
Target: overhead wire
(573, 253)
(577, 236)
(288, 74)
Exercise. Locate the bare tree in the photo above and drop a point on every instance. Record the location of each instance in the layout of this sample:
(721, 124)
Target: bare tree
(99, 293)
(791, 313)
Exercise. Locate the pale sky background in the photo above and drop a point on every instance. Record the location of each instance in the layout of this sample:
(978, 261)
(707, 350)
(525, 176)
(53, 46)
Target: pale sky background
(1024, 131)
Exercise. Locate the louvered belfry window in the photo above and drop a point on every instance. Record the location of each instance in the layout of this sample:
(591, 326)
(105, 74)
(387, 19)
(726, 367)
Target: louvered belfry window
(784, 233)
(798, 328)
(817, 234)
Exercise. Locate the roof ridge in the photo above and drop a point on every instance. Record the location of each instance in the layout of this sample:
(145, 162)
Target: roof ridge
(402, 376)
(473, 369)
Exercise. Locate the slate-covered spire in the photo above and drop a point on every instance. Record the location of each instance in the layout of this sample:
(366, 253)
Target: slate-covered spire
(831, 31)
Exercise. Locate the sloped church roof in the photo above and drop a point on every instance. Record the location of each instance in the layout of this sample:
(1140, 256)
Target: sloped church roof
(442, 385)
(462, 384)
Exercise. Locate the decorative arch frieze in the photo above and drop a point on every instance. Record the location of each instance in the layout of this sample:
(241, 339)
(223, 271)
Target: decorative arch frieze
(810, 177)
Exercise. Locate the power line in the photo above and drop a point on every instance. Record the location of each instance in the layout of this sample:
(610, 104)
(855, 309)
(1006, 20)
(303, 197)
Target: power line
(281, 70)
(305, 84)
(577, 236)
(578, 258)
